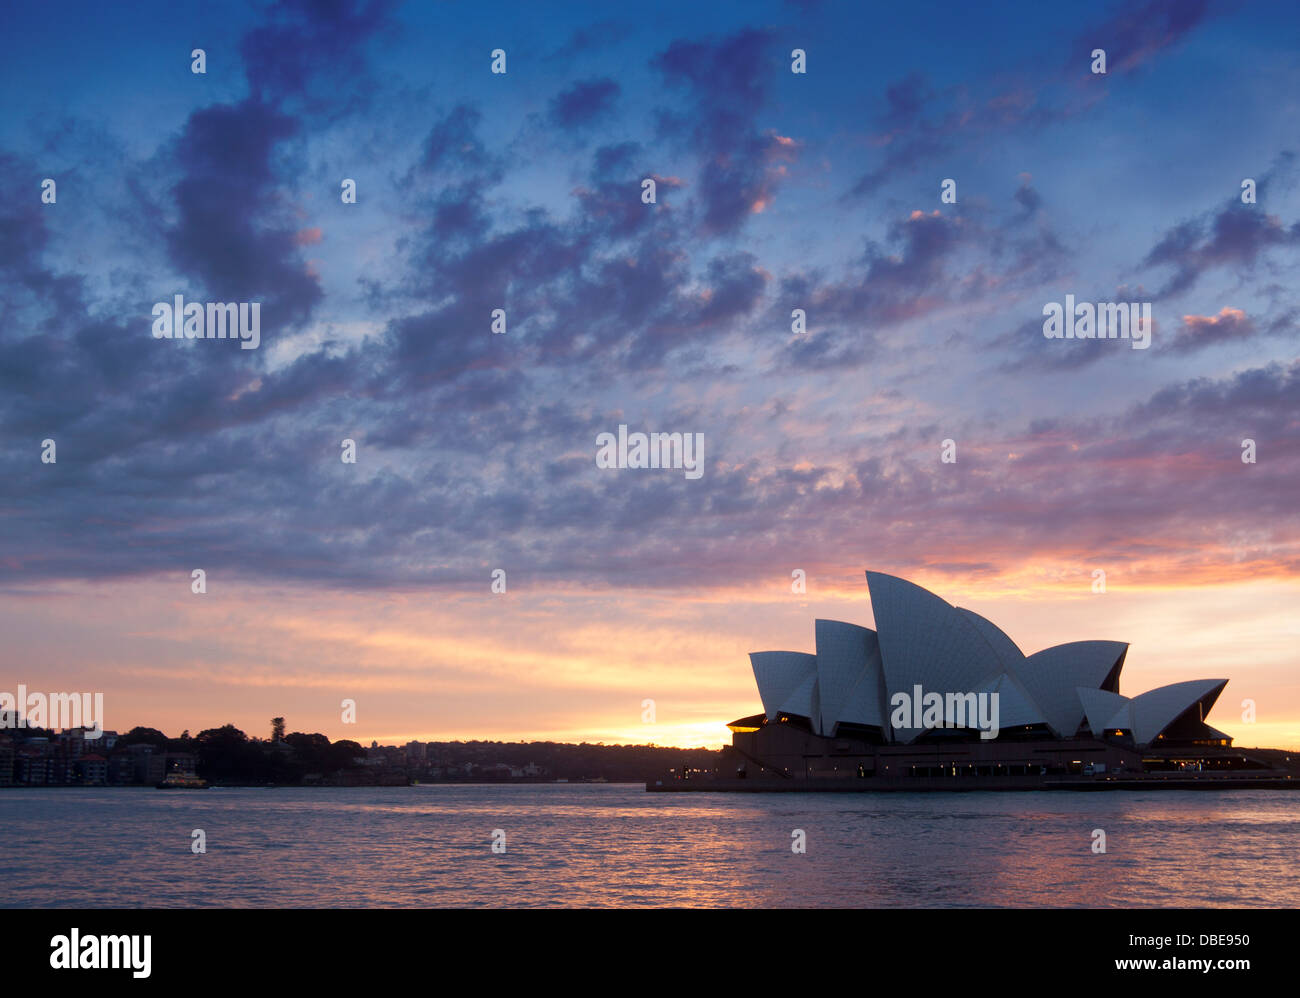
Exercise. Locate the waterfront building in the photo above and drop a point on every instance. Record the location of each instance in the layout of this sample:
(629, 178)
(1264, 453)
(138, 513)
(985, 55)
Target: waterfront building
(939, 691)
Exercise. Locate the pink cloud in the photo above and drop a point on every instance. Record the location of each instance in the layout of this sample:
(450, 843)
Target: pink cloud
(1206, 330)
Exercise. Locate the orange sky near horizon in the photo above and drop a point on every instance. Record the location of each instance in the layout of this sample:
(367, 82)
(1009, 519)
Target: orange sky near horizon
(551, 665)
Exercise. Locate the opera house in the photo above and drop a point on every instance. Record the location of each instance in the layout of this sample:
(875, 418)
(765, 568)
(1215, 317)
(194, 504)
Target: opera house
(938, 697)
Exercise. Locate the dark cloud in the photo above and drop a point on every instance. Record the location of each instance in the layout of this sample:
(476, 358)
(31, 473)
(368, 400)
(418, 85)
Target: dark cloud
(929, 261)
(1234, 237)
(731, 73)
(919, 124)
(1268, 397)
(453, 142)
(583, 102)
(742, 165)
(1137, 33)
(900, 159)
(1028, 198)
(232, 233)
(308, 39)
(734, 286)
(827, 350)
(1028, 350)
(596, 37)
(904, 277)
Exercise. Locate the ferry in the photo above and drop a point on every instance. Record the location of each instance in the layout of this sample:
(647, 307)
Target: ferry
(182, 781)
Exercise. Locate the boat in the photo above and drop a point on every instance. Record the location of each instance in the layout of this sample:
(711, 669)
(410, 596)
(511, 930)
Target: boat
(182, 781)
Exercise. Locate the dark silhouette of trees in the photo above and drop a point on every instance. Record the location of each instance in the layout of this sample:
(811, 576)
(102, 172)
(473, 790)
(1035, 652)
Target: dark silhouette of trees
(312, 751)
(343, 754)
(144, 736)
(228, 755)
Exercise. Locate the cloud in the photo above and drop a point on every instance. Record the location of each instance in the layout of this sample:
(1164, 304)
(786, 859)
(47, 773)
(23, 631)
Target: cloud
(1136, 34)
(596, 37)
(304, 41)
(584, 102)
(453, 142)
(1201, 331)
(729, 73)
(1028, 198)
(905, 276)
(232, 232)
(742, 165)
(919, 124)
(1234, 236)
(826, 350)
(477, 449)
(1028, 350)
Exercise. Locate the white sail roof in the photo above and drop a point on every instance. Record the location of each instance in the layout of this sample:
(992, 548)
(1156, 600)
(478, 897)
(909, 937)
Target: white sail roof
(1148, 715)
(922, 641)
(1015, 706)
(1104, 710)
(1007, 651)
(1052, 675)
(804, 701)
(926, 642)
(779, 674)
(1156, 709)
(866, 701)
(842, 653)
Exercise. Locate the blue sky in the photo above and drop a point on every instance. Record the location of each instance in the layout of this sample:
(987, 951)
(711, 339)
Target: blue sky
(522, 191)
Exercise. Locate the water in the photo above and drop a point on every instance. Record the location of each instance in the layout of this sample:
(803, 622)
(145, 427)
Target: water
(615, 845)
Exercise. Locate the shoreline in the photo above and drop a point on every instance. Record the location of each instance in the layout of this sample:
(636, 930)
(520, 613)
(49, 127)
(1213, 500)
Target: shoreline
(330, 786)
(958, 785)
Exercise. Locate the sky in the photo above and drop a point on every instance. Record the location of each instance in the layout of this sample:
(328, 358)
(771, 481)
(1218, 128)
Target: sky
(475, 450)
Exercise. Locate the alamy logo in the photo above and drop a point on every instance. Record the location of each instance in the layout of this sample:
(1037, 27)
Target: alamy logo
(1102, 321)
(54, 710)
(77, 952)
(683, 451)
(957, 710)
(217, 320)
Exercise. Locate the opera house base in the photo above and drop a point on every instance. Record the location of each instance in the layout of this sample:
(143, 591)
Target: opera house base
(709, 784)
(781, 758)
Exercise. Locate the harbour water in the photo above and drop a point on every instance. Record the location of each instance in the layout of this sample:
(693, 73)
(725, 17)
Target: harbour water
(615, 845)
